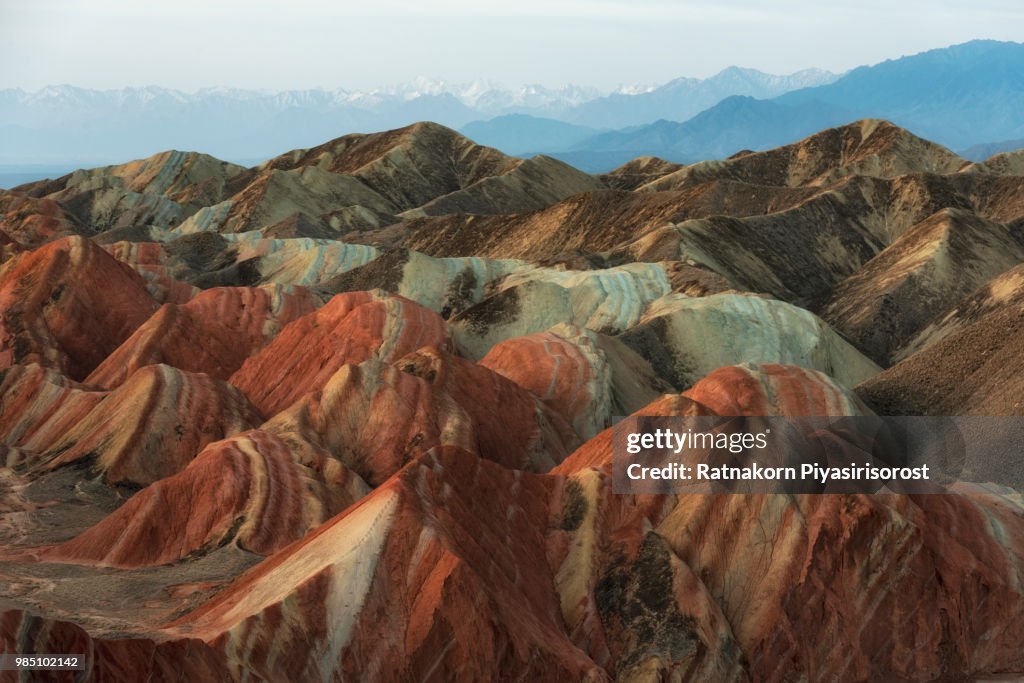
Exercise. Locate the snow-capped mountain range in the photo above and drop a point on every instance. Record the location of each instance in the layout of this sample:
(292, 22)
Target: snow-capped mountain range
(59, 101)
(69, 124)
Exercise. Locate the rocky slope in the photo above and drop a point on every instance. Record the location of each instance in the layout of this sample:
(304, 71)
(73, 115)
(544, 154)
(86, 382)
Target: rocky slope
(922, 273)
(347, 414)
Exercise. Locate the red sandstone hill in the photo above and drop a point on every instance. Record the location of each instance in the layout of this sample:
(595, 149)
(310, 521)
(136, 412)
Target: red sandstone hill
(348, 330)
(247, 490)
(346, 414)
(151, 426)
(68, 305)
(232, 322)
(560, 577)
(378, 416)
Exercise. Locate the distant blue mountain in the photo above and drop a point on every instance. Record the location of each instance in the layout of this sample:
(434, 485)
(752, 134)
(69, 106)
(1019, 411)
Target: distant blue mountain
(734, 124)
(525, 134)
(65, 124)
(989, 149)
(683, 98)
(957, 96)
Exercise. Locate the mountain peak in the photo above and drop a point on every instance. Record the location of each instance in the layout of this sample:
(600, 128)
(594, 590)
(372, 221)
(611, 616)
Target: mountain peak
(869, 147)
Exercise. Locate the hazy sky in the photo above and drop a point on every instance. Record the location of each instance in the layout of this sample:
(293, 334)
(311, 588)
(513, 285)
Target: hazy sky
(281, 44)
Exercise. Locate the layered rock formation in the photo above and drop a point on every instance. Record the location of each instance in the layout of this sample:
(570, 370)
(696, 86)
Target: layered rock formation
(151, 426)
(39, 405)
(377, 417)
(67, 305)
(32, 221)
(921, 274)
(246, 490)
(348, 330)
(586, 377)
(232, 322)
(347, 414)
(686, 338)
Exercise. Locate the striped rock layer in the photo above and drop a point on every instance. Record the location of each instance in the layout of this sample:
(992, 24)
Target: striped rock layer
(481, 568)
(150, 427)
(379, 416)
(345, 415)
(348, 330)
(232, 322)
(248, 490)
(67, 306)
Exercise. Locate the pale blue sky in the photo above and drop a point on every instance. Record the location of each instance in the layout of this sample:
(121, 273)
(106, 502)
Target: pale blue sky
(276, 44)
